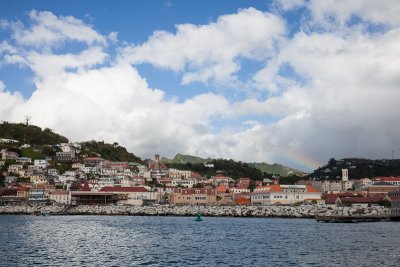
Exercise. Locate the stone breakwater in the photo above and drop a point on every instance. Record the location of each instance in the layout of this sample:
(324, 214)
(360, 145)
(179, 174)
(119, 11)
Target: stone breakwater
(308, 211)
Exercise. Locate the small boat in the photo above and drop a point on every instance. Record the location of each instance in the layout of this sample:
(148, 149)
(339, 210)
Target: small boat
(198, 216)
(45, 213)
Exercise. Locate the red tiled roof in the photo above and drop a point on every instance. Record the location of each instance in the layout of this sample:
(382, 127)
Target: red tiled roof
(390, 179)
(268, 188)
(312, 189)
(221, 189)
(372, 199)
(124, 189)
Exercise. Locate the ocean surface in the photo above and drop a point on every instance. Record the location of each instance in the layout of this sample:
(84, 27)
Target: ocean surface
(180, 241)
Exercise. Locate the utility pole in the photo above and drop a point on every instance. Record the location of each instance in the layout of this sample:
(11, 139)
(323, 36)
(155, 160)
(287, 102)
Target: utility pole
(27, 119)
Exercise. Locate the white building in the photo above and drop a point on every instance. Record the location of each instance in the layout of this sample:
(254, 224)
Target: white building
(174, 173)
(60, 197)
(40, 163)
(284, 194)
(183, 182)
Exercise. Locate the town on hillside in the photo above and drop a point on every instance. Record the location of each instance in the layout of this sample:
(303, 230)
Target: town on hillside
(73, 178)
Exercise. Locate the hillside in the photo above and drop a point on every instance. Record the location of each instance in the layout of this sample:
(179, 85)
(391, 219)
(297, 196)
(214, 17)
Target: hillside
(112, 152)
(275, 169)
(183, 159)
(31, 134)
(358, 168)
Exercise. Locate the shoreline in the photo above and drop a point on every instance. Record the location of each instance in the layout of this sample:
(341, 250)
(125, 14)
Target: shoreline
(307, 211)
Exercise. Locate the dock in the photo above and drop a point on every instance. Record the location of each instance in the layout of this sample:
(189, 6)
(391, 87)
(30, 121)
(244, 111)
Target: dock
(392, 215)
(351, 219)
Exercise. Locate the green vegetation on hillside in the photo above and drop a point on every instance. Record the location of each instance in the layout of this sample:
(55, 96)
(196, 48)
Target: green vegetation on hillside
(113, 152)
(277, 169)
(30, 134)
(183, 159)
(230, 168)
(197, 162)
(358, 168)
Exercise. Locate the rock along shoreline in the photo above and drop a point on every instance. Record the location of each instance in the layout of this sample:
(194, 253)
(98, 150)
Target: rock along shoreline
(306, 211)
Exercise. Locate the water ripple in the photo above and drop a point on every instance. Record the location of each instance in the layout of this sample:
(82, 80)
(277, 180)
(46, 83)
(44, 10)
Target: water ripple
(179, 241)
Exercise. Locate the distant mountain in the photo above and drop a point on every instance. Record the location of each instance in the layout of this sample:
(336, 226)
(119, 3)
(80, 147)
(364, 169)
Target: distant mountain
(183, 159)
(358, 168)
(30, 134)
(276, 169)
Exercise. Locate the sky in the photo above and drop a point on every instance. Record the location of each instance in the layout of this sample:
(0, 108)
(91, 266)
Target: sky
(292, 82)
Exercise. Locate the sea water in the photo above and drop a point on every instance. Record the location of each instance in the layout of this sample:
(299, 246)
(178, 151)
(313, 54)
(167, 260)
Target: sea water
(181, 241)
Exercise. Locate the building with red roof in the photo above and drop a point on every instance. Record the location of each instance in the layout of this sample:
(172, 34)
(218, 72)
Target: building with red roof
(284, 194)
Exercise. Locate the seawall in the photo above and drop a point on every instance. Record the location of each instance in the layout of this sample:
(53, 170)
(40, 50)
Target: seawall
(307, 211)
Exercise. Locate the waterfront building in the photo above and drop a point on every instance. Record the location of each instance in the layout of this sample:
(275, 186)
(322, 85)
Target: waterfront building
(60, 197)
(131, 195)
(193, 196)
(37, 194)
(284, 194)
(382, 188)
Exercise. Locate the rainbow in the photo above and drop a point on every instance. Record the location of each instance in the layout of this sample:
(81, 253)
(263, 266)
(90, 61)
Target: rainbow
(299, 160)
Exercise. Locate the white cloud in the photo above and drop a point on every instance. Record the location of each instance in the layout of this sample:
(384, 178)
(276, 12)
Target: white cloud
(48, 30)
(340, 12)
(345, 104)
(289, 4)
(211, 53)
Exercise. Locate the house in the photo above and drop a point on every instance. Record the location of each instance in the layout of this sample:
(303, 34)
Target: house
(131, 195)
(243, 182)
(38, 179)
(382, 188)
(23, 192)
(284, 194)
(239, 189)
(221, 180)
(24, 160)
(193, 196)
(37, 194)
(40, 163)
(327, 186)
(359, 201)
(174, 173)
(158, 169)
(8, 195)
(5, 154)
(15, 168)
(362, 183)
(60, 197)
(92, 198)
(390, 180)
(330, 199)
(66, 156)
(10, 179)
(183, 182)
(116, 165)
(92, 161)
